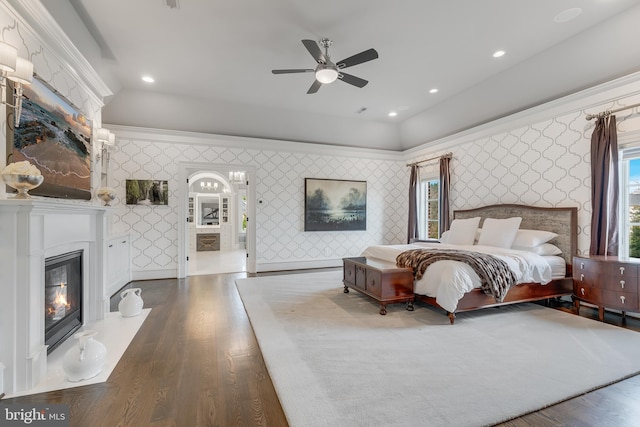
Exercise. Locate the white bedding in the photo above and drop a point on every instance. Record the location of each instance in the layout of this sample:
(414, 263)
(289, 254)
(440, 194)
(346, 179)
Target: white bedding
(558, 266)
(448, 281)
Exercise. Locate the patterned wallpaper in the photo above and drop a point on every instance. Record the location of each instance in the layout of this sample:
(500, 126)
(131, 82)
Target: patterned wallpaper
(280, 187)
(542, 164)
(53, 70)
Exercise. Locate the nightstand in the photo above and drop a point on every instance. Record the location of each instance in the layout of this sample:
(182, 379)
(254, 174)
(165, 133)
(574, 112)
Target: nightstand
(606, 281)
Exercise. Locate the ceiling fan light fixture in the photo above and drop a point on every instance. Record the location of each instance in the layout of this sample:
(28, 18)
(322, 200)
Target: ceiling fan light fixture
(326, 75)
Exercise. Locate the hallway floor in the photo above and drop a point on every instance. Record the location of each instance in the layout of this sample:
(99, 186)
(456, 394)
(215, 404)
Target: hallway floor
(216, 262)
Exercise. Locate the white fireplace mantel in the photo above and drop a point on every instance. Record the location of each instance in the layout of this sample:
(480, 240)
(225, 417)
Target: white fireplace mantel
(30, 231)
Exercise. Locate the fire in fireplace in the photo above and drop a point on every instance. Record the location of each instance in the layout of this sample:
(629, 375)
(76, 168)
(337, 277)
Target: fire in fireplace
(62, 297)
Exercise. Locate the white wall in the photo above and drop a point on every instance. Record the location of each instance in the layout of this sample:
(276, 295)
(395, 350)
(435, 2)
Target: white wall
(56, 62)
(280, 171)
(541, 157)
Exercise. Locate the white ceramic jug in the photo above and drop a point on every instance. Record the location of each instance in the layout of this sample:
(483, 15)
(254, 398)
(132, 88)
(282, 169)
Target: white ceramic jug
(85, 359)
(131, 302)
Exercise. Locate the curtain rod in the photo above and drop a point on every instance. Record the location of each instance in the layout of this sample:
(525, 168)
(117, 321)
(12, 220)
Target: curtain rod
(448, 155)
(609, 112)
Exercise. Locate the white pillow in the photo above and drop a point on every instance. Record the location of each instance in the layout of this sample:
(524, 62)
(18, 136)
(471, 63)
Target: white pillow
(543, 249)
(462, 231)
(445, 237)
(532, 238)
(499, 232)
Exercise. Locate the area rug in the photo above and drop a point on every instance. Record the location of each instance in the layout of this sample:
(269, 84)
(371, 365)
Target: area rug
(335, 361)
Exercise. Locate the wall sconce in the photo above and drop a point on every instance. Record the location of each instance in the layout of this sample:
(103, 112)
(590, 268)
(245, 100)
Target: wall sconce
(106, 140)
(19, 71)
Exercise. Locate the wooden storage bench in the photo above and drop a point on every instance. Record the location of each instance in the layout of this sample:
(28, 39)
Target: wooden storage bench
(380, 280)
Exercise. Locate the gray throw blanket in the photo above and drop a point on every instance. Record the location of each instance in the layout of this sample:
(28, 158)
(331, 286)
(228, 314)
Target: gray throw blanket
(495, 275)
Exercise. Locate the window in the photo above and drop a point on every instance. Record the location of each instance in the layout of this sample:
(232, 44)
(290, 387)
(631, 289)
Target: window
(630, 203)
(429, 209)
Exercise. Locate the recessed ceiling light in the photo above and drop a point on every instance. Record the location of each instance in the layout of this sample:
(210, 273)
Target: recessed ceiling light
(393, 114)
(499, 53)
(148, 79)
(434, 90)
(567, 15)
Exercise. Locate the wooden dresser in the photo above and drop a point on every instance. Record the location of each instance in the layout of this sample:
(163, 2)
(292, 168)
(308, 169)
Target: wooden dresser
(606, 281)
(380, 280)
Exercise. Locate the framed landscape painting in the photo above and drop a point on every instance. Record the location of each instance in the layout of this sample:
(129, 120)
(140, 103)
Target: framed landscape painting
(54, 137)
(147, 192)
(335, 205)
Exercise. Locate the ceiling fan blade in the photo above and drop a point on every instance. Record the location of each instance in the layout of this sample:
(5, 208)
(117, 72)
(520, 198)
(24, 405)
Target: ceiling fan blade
(352, 80)
(315, 51)
(299, 70)
(358, 58)
(314, 87)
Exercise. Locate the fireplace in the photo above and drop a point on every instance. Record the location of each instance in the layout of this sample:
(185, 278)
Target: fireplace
(33, 234)
(62, 297)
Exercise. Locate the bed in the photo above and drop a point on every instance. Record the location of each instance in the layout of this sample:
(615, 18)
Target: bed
(452, 286)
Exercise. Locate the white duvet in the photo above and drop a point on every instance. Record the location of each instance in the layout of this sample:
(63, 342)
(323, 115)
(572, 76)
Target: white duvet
(448, 281)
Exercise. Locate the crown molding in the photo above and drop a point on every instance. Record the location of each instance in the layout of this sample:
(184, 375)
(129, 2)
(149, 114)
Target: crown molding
(589, 100)
(34, 16)
(249, 143)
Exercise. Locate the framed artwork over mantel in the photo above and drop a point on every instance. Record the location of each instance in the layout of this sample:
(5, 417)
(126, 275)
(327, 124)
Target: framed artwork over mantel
(55, 137)
(335, 205)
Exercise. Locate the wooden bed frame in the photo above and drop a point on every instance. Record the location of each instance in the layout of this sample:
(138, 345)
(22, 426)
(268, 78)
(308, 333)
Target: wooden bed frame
(563, 221)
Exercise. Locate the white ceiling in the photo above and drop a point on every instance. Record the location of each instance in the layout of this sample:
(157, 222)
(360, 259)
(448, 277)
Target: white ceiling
(212, 63)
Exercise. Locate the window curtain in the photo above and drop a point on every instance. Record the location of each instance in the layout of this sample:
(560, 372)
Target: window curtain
(604, 188)
(412, 232)
(445, 178)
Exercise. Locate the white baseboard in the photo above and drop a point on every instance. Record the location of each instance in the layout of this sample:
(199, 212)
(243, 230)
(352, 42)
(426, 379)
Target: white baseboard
(260, 267)
(170, 273)
(297, 265)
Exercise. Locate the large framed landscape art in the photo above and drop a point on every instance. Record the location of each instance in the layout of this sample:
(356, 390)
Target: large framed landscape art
(335, 205)
(56, 138)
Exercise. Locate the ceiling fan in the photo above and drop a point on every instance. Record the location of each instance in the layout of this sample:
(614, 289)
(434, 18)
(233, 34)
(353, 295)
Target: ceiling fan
(328, 72)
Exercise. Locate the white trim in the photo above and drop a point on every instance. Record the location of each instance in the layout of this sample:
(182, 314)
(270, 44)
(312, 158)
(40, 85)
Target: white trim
(298, 265)
(34, 16)
(186, 169)
(168, 273)
(579, 102)
(628, 139)
(623, 207)
(250, 143)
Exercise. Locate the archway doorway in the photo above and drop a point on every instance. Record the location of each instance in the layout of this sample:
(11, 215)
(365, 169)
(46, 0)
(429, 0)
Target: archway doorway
(217, 236)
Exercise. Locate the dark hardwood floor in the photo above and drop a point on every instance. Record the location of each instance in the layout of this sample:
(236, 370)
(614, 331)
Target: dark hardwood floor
(196, 362)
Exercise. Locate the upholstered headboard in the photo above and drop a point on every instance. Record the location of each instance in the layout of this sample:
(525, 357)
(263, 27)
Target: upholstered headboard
(562, 221)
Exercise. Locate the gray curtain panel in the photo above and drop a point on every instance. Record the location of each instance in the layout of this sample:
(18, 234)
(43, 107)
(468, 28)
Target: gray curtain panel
(604, 188)
(445, 179)
(412, 232)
